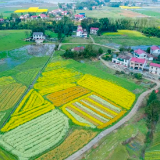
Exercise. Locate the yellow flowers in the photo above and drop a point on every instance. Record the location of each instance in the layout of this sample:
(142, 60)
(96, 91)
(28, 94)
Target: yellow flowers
(32, 106)
(127, 7)
(32, 9)
(111, 91)
(92, 111)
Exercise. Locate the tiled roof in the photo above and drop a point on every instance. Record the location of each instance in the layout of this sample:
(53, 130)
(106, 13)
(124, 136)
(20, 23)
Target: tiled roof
(138, 60)
(155, 65)
(155, 47)
(139, 51)
(92, 28)
(78, 48)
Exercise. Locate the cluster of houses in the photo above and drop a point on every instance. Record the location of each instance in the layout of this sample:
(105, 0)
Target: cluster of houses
(83, 33)
(140, 60)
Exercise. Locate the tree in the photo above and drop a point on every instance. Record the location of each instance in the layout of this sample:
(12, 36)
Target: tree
(138, 76)
(152, 97)
(148, 50)
(100, 51)
(109, 51)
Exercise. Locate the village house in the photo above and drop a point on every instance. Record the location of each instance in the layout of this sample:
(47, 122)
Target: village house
(64, 13)
(137, 63)
(34, 17)
(85, 8)
(22, 17)
(1, 20)
(154, 68)
(93, 30)
(43, 16)
(58, 18)
(56, 11)
(155, 51)
(79, 17)
(80, 32)
(139, 53)
(122, 60)
(78, 49)
(38, 36)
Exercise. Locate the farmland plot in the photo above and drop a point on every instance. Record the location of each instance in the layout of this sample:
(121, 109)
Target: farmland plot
(10, 92)
(37, 135)
(32, 106)
(93, 111)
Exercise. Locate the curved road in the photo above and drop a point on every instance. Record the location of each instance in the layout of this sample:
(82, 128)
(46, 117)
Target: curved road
(117, 125)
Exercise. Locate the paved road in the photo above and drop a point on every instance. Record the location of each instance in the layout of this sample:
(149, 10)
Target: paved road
(117, 125)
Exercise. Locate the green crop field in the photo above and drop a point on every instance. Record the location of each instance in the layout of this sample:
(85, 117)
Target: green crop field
(70, 46)
(148, 12)
(76, 40)
(153, 152)
(11, 39)
(126, 38)
(6, 155)
(102, 12)
(111, 147)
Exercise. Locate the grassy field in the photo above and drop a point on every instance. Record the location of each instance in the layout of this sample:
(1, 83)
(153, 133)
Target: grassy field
(7, 10)
(111, 147)
(26, 72)
(76, 40)
(126, 38)
(70, 46)
(11, 39)
(154, 149)
(51, 34)
(148, 12)
(102, 12)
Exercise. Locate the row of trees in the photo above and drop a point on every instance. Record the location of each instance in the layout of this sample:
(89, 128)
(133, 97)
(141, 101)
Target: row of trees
(153, 31)
(88, 52)
(112, 25)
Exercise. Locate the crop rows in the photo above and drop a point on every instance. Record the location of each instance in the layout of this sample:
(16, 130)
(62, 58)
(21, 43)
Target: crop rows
(72, 143)
(10, 94)
(37, 135)
(32, 106)
(111, 91)
(89, 110)
(67, 95)
(6, 80)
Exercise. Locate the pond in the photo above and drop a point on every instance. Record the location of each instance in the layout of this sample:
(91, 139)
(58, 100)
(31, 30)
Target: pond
(10, 59)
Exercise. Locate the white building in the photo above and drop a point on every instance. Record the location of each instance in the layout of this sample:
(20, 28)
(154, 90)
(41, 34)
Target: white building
(154, 68)
(38, 36)
(139, 53)
(122, 60)
(80, 32)
(93, 30)
(155, 51)
(137, 63)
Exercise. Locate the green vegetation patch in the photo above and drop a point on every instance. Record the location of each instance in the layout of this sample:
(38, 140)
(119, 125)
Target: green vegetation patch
(126, 37)
(11, 39)
(4, 155)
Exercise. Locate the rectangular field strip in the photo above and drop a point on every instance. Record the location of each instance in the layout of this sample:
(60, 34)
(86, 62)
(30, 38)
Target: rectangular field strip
(67, 95)
(91, 110)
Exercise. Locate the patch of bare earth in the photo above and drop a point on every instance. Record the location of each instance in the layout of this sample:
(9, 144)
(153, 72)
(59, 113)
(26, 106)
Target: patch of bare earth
(128, 13)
